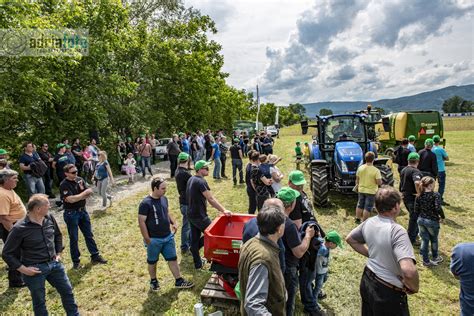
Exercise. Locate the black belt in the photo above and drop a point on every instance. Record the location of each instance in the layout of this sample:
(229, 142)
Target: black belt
(75, 209)
(373, 276)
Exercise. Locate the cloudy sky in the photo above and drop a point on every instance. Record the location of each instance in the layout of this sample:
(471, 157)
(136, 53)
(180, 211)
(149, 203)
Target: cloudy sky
(327, 50)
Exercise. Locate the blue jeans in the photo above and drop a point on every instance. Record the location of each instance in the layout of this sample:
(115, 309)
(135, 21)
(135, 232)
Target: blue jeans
(291, 284)
(146, 164)
(307, 292)
(54, 273)
(429, 231)
(442, 183)
(185, 229)
(34, 185)
(217, 168)
(75, 220)
(318, 286)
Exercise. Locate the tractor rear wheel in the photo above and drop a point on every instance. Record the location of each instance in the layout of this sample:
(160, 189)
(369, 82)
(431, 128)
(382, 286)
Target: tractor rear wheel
(319, 185)
(387, 174)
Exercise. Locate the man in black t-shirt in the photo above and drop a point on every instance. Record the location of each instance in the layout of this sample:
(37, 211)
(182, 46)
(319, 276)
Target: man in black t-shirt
(303, 211)
(401, 155)
(236, 155)
(34, 183)
(182, 176)
(428, 164)
(198, 194)
(261, 184)
(295, 248)
(48, 176)
(61, 159)
(156, 224)
(74, 193)
(252, 195)
(410, 177)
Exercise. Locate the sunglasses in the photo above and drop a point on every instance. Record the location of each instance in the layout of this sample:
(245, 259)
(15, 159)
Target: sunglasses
(73, 172)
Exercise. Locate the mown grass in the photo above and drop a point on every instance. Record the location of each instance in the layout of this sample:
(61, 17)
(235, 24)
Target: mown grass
(122, 285)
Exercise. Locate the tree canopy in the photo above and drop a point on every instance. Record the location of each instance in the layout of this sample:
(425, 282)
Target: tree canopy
(456, 104)
(150, 68)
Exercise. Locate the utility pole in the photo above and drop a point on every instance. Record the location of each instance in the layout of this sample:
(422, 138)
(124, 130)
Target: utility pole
(277, 116)
(258, 110)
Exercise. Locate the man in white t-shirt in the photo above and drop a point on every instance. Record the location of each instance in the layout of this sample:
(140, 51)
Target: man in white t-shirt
(391, 272)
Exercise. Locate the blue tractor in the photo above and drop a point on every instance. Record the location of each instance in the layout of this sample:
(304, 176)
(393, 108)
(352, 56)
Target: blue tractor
(337, 151)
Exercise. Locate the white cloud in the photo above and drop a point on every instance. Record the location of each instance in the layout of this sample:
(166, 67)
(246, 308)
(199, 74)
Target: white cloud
(317, 50)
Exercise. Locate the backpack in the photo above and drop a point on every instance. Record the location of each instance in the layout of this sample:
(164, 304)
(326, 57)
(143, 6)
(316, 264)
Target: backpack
(38, 168)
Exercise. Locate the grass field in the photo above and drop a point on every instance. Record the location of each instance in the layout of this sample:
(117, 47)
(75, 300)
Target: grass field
(122, 285)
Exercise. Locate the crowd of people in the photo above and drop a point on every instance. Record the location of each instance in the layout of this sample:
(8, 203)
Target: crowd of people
(284, 246)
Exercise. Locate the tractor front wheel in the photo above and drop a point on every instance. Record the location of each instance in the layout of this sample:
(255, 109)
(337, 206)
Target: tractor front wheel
(319, 185)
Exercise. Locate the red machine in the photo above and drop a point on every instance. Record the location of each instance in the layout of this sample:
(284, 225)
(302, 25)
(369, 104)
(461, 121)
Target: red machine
(222, 241)
(223, 238)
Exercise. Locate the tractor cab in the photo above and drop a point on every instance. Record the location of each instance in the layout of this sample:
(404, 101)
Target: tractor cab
(342, 141)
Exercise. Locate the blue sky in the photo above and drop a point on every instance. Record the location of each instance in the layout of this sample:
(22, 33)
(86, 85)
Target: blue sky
(327, 50)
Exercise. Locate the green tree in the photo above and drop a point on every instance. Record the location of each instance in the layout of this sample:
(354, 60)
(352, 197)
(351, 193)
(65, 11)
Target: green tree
(453, 104)
(298, 109)
(324, 112)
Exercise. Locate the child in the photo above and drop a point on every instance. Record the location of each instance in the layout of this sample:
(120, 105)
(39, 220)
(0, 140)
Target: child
(429, 210)
(331, 241)
(306, 154)
(130, 165)
(299, 155)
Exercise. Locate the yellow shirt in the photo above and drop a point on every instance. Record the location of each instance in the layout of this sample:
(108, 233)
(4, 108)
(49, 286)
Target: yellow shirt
(368, 176)
(11, 205)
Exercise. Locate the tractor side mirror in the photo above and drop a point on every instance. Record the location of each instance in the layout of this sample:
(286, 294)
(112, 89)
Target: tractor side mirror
(304, 127)
(386, 123)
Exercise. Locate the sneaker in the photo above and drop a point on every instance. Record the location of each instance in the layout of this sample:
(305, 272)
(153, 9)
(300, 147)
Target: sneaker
(203, 262)
(438, 259)
(357, 221)
(322, 295)
(76, 266)
(98, 260)
(183, 284)
(110, 197)
(430, 263)
(17, 285)
(445, 203)
(154, 285)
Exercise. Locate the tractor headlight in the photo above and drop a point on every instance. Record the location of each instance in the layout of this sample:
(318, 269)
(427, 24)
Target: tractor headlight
(344, 166)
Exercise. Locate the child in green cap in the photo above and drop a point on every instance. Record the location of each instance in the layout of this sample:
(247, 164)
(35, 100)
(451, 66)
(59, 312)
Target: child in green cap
(299, 155)
(331, 241)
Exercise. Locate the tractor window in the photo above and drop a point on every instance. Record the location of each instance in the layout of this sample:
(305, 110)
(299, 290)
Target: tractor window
(341, 128)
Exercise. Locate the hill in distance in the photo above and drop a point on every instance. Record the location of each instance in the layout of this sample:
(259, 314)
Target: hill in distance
(431, 100)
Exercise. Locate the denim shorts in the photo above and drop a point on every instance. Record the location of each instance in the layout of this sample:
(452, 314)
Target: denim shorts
(366, 201)
(164, 246)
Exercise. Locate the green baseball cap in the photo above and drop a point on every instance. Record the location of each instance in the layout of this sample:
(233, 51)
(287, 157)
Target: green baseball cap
(3, 151)
(429, 142)
(411, 138)
(297, 177)
(436, 139)
(333, 236)
(60, 145)
(287, 194)
(201, 164)
(297, 143)
(413, 156)
(183, 156)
